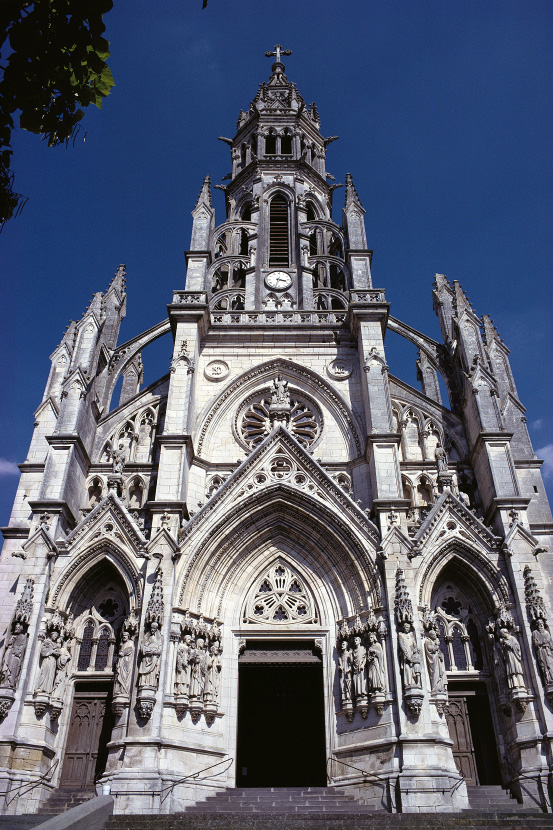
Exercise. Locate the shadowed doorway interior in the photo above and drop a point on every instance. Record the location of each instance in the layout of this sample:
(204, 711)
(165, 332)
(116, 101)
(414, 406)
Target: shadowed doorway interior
(281, 737)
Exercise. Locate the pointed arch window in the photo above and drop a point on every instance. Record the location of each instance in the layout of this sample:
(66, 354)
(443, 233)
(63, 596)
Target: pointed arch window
(279, 242)
(85, 651)
(310, 211)
(102, 650)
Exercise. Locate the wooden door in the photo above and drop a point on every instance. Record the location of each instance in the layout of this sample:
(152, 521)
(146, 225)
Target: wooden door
(86, 737)
(460, 733)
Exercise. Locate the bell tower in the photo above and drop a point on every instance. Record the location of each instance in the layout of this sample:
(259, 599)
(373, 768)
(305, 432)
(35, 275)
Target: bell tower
(278, 248)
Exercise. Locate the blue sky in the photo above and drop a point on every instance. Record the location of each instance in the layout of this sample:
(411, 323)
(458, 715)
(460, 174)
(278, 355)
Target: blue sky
(444, 112)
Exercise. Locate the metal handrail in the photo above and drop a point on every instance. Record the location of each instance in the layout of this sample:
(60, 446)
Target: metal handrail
(365, 772)
(33, 784)
(195, 775)
(386, 779)
(519, 777)
(383, 780)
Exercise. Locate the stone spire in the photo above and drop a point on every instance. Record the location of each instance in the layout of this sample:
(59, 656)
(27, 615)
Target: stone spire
(352, 197)
(204, 197)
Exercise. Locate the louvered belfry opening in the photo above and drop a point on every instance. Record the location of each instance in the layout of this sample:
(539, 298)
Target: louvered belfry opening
(279, 248)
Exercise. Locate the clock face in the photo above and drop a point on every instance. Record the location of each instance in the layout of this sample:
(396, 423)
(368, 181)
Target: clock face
(278, 280)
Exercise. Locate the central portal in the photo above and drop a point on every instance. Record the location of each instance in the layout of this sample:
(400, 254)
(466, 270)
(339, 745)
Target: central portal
(281, 735)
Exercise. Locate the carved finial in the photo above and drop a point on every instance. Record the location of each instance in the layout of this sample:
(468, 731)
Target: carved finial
(24, 605)
(534, 600)
(278, 52)
(352, 197)
(490, 331)
(205, 193)
(154, 611)
(403, 605)
(313, 112)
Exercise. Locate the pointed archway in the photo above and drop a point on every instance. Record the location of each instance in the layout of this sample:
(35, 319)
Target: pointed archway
(98, 603)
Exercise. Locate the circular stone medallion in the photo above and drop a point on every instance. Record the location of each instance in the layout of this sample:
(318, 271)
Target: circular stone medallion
(216, 370)
(340, 369)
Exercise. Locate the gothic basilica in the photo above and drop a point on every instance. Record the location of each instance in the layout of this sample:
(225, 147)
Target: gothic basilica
(278, 565)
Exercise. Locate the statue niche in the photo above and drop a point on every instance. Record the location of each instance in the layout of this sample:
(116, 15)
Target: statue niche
(361, 668)
(55, 659)
(16, 646)
(408, 649)
(507, 654)
(198, 668)
(435, 663)
(151, 647)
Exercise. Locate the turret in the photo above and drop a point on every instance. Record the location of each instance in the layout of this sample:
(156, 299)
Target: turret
(198, 257)
(359, 257)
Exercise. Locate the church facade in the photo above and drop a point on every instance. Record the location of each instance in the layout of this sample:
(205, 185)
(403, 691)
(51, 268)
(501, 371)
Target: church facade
(278, 565)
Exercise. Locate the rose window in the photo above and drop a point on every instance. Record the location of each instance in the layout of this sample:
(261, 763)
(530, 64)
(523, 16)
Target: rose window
(280, 597)
(254, 422)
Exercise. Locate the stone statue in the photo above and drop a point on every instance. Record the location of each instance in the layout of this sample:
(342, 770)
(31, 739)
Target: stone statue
(197, 675)
(48, 653)
(13, 657)
(543, 644)
(148, 672)
(123, 667)
(345, 667)
(509, 648)
(359, 661)
(435, 662)
(441, 459)
(375, 663)
(184, 656)
(280, 393)
(213, 674)
(63, 658)
(409, 656)
(117, 460)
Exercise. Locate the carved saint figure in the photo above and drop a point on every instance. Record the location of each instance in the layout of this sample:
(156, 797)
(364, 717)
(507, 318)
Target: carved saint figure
(359, 661)
(280, 392)
(375, 663)
(63, 657)
(409, 656)
(48, 652)
(118, 460)
(197, 675)
(123, 667)
(213, 674)
(512, 659)
(344, 667)
(543, 645)
(148, 672)
(435, 662)
(441, 459)
(13, 657)
(184, 656)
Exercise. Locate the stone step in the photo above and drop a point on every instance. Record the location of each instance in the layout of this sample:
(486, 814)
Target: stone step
(62, 800)
(344, 821)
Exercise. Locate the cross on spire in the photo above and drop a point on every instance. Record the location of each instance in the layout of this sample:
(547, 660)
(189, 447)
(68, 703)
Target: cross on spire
(278, 51)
